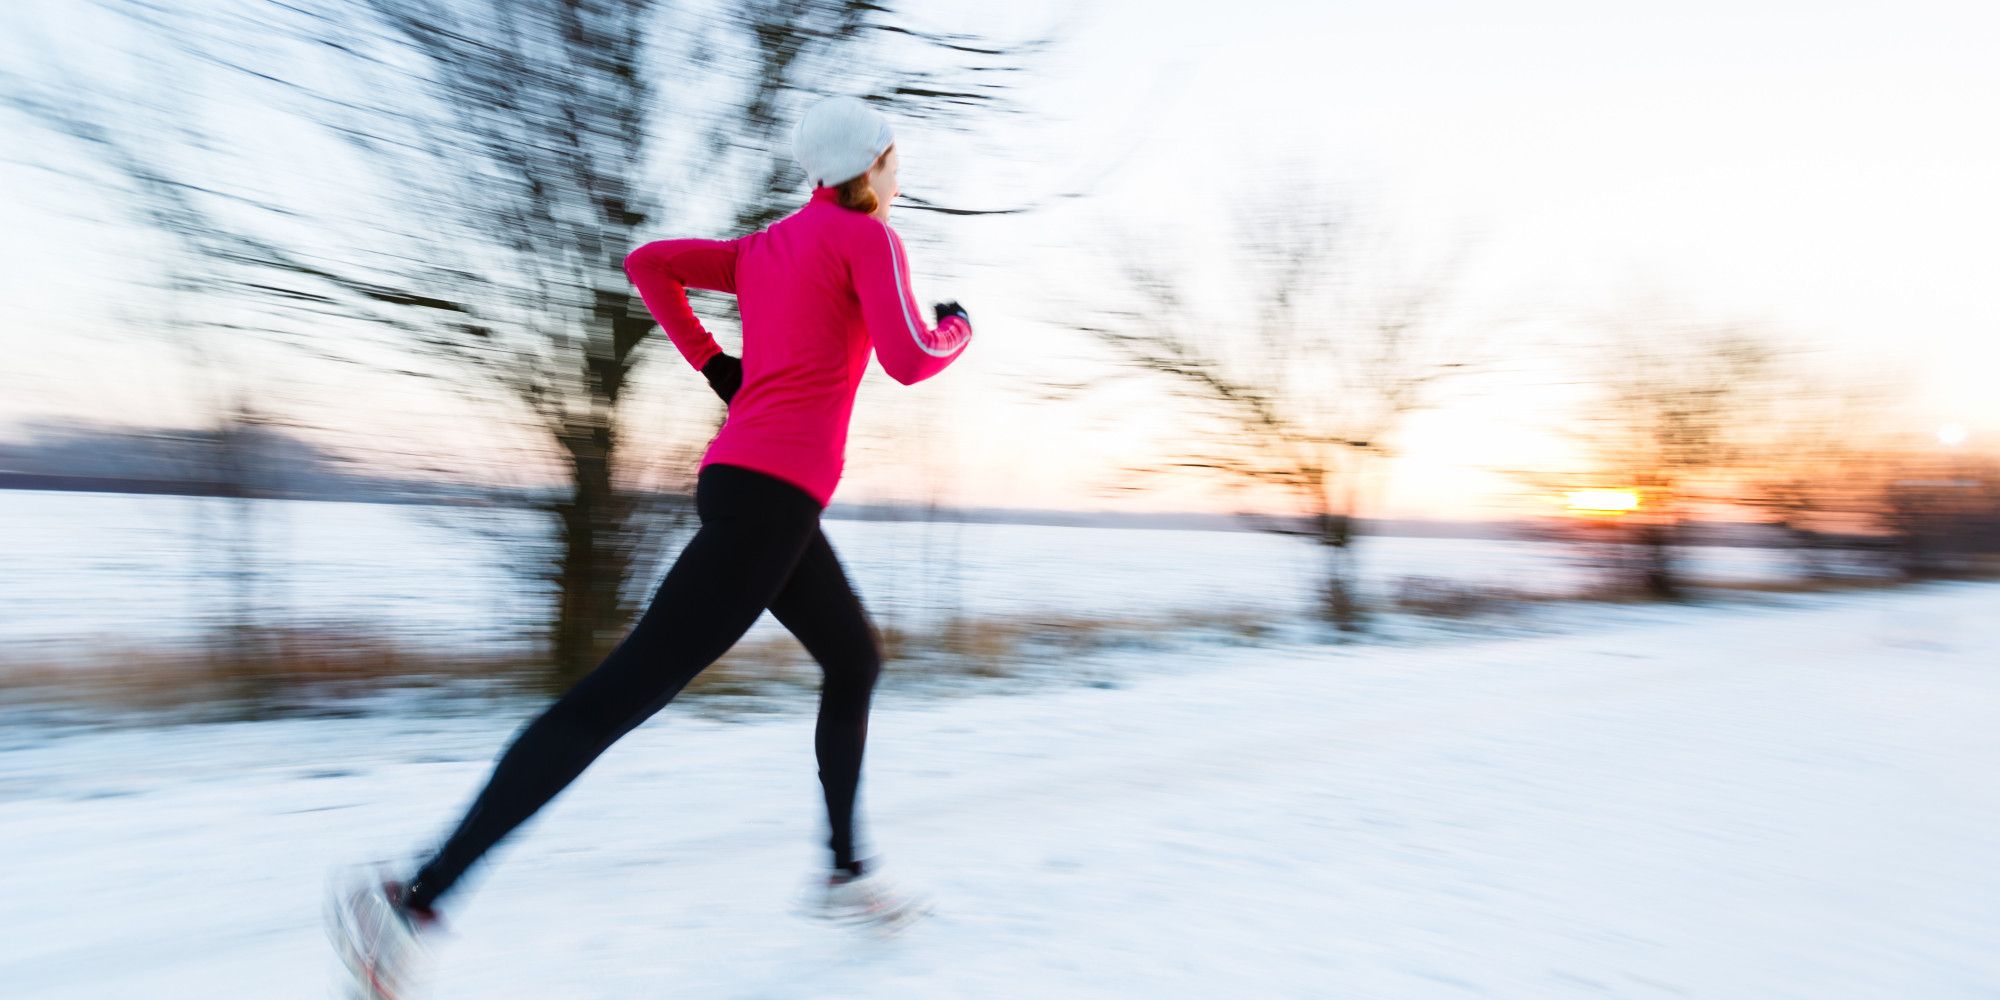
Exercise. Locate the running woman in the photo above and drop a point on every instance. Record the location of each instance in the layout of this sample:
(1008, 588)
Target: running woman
(819, 292)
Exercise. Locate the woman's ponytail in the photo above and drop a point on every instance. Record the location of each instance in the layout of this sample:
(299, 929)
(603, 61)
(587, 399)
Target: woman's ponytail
(859, 195)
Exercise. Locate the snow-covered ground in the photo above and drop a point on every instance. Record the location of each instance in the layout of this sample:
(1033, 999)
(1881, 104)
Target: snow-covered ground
(1726, 802)
(83, 570)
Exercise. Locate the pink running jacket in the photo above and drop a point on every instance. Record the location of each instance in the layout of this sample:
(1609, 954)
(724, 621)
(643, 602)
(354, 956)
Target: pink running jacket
(818, 290)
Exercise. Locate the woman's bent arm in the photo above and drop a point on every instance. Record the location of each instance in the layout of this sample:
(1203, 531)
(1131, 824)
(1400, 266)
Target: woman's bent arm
(909, 350)
(664, 270)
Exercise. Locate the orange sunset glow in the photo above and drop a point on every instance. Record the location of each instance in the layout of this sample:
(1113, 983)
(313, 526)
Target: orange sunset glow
(1602, 502)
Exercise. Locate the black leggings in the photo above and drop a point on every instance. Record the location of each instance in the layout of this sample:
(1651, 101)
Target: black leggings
(759, 547)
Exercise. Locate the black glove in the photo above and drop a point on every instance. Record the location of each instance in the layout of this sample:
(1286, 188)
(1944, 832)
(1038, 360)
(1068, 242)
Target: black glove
(944, 309)
(724, 375)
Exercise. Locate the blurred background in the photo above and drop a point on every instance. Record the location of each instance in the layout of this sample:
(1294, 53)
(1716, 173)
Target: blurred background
(1589, 396)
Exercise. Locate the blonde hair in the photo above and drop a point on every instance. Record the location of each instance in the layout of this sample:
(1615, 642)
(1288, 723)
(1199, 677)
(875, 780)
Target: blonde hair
(857, 194)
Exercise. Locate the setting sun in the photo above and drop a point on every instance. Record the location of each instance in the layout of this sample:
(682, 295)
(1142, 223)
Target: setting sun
(1603, 501)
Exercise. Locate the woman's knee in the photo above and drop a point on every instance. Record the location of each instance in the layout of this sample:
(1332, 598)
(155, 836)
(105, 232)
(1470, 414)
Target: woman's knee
(854, 673)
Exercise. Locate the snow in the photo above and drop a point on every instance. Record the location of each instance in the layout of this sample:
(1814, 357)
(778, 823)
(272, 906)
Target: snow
(1757, 802)
(147, 570)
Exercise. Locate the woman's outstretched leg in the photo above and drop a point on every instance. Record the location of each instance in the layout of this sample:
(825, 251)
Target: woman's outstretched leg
(754, 530)
(819, 606)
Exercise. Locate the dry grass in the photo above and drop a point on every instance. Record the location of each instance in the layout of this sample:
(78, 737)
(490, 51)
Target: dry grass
(254, 672)
(1813, 585)
(276, 671)
(1435, 597)
(757, 667)
(1440, 597)
(987, 646)
(982, 648)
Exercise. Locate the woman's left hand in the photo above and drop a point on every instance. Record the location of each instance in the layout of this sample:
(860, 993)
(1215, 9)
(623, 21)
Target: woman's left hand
(724, 375)
(943, 309)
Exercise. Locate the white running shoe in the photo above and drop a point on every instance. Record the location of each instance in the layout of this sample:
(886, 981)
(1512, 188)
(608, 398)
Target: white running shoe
(866, 900)
(379, 940)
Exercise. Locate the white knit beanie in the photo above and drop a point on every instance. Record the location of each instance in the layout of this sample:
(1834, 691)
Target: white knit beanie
(839, 138)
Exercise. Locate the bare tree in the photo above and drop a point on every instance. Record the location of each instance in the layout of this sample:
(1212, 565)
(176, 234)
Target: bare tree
(1819, 470)
(1334, 340)
(1940, 513)
(511, 142)
(1678, 420)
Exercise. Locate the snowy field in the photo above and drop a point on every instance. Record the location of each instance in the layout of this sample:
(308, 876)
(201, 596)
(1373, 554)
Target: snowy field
(1726, 802)
(83, 567)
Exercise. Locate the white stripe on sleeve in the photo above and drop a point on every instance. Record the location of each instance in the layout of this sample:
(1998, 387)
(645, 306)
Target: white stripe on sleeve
(903, 297)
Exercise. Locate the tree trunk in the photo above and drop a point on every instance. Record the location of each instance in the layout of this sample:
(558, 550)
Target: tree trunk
(591, 615)
(1340, 591)
(1659, 576)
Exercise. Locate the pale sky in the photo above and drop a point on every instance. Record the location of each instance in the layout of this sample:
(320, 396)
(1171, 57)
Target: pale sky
(1825, 169)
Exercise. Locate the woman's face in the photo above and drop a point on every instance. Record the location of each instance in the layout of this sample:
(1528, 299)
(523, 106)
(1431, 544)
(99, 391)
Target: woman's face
(882, 177)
